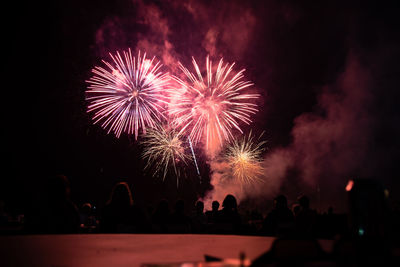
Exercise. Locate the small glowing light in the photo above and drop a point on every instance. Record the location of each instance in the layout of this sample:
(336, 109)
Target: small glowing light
(361, 231)
(386, 192)
(243, 157)
(349, 185)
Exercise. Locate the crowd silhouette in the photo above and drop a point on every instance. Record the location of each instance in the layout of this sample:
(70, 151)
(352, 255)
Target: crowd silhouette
(54, 212)
(120, 214)
(363, 235)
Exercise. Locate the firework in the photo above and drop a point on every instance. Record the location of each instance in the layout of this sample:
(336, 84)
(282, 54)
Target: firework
(163, 150)
(194, 158)
(127, 95)
(210, 107)
(244, 157)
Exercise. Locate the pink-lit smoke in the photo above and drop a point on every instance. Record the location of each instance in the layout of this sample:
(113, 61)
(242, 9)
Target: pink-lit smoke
(328, 146)
(148, 30)
(331, 145)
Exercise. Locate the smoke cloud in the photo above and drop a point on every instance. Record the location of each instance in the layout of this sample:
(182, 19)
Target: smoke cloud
(329, 145)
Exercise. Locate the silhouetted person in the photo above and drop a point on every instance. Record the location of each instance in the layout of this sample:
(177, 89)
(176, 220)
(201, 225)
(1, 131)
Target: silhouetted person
(215, 206)
(88, 220)
(149, 212)
(280, 221)
(179, 221)
(229, 217)
(213, 213)
(330, 211)
(161, 217)
(199, 219)
(329, 224)
(296, 209)
(119, 214)
(369, 242)
(293, 252)
(306, 218)
(57, 214)
(84, 213)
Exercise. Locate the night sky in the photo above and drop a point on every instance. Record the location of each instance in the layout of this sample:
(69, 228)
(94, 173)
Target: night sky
(327, 72)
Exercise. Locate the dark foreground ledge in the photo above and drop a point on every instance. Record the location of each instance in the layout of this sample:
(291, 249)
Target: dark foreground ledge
(124, 249)
(84, 250)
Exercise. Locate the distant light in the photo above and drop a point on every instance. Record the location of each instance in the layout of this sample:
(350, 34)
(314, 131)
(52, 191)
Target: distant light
(386, 192)
(361, 232)
(349, 185)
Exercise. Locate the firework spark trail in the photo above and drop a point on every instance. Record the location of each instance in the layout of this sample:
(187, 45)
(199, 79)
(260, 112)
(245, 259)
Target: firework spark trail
(194, 157)
(210, 107)
(128, 94)
(244, 157)
(163, 148)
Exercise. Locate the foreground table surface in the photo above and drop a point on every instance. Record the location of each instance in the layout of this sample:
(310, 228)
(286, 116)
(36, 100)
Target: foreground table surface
(125, 249)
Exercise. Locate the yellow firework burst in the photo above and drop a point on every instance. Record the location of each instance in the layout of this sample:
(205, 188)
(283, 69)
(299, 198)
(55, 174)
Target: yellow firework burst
(164, 150)
(244, 157)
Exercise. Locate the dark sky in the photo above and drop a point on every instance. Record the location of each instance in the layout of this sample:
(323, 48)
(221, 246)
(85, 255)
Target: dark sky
(327, 71)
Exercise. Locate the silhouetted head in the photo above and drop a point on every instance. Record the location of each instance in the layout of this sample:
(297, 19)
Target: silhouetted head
(162, 207)
(229, 202)
(86, 208)
(296, 209)
(150, 209)
(215, 205)
(304, 202)
(280, 202)
(121, 195)
(179, 206)
(199, 206)
(368, 209)
(58, 187)
(330, 210)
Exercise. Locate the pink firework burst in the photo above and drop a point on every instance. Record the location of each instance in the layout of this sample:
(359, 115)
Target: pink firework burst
(127, 95)
(211, 107)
